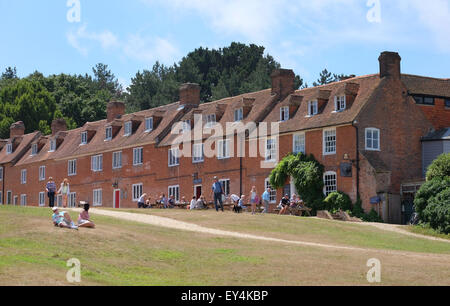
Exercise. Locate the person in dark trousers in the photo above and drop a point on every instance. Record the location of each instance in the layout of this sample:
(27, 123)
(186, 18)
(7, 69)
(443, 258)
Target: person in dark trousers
(51, 190)
(218, 192)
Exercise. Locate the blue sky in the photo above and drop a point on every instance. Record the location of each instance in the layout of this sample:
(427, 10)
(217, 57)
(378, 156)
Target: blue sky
(306, 36)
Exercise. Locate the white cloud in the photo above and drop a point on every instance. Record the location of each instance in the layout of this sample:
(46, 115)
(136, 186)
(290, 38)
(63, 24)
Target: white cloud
(81, 39)
(149, 50)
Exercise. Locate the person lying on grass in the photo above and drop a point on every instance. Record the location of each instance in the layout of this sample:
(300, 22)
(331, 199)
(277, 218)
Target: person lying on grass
(84, 219)
(62, 219)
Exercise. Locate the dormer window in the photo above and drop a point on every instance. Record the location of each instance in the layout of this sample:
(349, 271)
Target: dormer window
(9, 148)
(238, 115)
(339, 103)
(108, 135)
(52, 145)
(284, 113)
(149, 124)
(313, 108)
(128, 128)
(186, 126)
(84, 138)
(34, 149)
(210, 120)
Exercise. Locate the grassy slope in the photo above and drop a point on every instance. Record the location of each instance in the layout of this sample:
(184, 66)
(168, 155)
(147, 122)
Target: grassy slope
(306, 229)
(33, 252)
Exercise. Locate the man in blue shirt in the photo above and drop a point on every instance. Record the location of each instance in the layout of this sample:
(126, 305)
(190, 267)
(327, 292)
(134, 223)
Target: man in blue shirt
(266, 199)
(218, 191)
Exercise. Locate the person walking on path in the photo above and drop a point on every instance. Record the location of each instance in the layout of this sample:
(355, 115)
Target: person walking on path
(64, 190)
(218, 192)
(51, 190)
(266, 199)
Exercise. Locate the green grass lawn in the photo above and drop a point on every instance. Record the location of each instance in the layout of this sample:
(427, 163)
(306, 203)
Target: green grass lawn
(33, 252)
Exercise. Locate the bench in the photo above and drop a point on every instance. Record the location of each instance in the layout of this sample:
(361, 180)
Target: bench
(298, 211)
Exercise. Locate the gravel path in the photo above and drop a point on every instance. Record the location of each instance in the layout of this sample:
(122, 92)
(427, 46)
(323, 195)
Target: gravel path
(184, 226)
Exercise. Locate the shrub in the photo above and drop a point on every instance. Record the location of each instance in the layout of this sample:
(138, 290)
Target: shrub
(437, 213)
(426, 192)
(373, 216)
(440, 168)
(336, 201)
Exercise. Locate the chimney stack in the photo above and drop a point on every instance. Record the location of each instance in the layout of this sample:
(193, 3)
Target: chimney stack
(282, 82)
(17, 129)
(390, 65)
(190, 94)
(58, 125)
(114, 110)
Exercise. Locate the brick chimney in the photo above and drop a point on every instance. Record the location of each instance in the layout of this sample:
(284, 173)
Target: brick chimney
(390, 65)
(58, 125)
(190, 94)
(17, 129)
(282, 82)
(115, 110)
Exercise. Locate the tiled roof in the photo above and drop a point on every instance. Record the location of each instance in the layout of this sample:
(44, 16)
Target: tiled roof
(24, 143)
(426, 85)
(328, 116)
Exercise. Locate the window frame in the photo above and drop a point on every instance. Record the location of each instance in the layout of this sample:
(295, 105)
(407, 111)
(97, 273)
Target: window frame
(108, 133)
(148, 124)
(41, 199)
(196, 159)
(315, 107)
(284, 114)
(210, 123)
(326, 141)
(238, 114)
(372, 130)
(72, 167)
(139, 187)
(42, 176)
(97, 160)
(9, 148)
(1, 173)
(137, 156)
(223, 149)
(273, 192)
(272, 151)
(174, 160)
(340, 103)
(95, 197)
(127, 128)
(23, 176)
(72, 197)
(9, 197)
(226, 186)
(447, 102)
(327, 191)
(114, 160)
(52, 145)
(84, 138)
(34, 149)
(23, 200)
(294, 146)
(170, 190)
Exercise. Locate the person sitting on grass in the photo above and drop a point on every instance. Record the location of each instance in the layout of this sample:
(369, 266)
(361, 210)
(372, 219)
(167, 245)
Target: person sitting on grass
(201, 203)
(62, 219)
(171, 202)
(84, 219)
(193, 203)
(242, 202)
(141, 201)
(284, 204)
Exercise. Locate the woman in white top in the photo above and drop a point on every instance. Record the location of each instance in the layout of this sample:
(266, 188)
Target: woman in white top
(254, 199)
(193, 203)
(64, 190)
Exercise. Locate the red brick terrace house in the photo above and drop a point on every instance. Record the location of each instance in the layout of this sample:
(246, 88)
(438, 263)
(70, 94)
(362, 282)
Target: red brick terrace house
(372, 134)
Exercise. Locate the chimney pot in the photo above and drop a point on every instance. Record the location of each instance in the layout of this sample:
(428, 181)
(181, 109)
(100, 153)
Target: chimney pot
(390, 65)
(58, 125)
(190, 94)
(114, 110)
(283, 82)
(17, 129)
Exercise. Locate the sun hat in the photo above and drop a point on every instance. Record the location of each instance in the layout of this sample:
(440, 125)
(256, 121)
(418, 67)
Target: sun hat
(55, 208)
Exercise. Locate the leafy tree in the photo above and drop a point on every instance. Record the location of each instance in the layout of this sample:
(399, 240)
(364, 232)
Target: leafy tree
(440, 168)
(327, 77)
(429, 190)
(308, 178)
(338, 200)
(437, 212)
